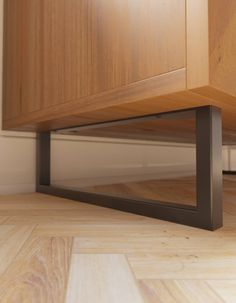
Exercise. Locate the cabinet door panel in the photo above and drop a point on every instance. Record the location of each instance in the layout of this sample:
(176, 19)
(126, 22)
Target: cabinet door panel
(77, 48)
(91, 46)
(124, 41)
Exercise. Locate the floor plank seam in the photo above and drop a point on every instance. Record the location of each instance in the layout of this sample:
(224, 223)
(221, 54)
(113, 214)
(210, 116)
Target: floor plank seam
(214, 291)
(19, 251)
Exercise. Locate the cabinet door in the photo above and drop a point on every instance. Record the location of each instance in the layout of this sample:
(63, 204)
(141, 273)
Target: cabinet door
(23, 56)
(71, 49)
(125, 41)
(92, 46)
(12, 59)
(49, 58)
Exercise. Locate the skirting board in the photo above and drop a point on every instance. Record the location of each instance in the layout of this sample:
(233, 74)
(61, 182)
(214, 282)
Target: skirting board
(229, 172)
(11, 189)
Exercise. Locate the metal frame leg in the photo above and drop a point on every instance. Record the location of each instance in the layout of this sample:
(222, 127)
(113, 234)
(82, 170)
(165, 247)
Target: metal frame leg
(208, 212)
(43, 160)
(209, 166)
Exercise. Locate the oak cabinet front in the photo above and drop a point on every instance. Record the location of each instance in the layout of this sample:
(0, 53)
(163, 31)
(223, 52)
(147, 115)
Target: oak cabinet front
(70, 62)
(69, 49)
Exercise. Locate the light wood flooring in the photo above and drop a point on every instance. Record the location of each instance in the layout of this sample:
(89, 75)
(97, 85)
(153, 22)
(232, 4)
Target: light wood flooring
(54, 250)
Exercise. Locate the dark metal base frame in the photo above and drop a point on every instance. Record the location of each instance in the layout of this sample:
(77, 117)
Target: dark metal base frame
(208, 212)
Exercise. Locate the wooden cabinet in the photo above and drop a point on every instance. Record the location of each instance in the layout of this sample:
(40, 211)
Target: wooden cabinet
(70, 62)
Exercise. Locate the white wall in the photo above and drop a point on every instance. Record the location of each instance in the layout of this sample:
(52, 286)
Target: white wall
(89, 160)
(107, 161)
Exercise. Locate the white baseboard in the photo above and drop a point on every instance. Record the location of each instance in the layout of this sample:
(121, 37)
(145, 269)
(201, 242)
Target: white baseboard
(9, 189)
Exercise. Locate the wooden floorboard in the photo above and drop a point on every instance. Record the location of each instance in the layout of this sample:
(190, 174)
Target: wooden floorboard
(12, 238)
(3, 219)
(226, 289)
(90, 274)
(39, 273)
(57, 250)
(175, 291)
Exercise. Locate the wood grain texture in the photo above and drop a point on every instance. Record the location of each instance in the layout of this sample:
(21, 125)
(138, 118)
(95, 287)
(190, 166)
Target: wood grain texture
(39, 272)
(116, 40)
(108, 279)
(197, 43)
(189, 265)
(3, 219)
(145, 89)
(12, 238)
(170, 262)
(71, 49)
(176, 101)
(222, 32)
(34, 202)
(179, 292)
(71, 62)
(224, 289)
